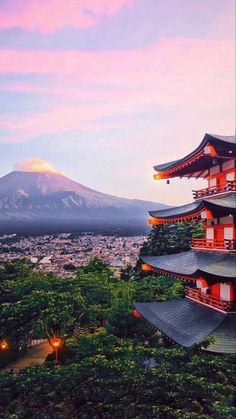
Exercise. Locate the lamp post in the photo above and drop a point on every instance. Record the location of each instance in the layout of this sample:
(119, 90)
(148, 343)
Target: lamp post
(56, 342)
(4, 345)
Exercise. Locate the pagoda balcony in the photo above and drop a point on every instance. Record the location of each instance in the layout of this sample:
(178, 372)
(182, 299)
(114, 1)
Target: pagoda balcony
(211, 300)
(230, 186)
(214, 244)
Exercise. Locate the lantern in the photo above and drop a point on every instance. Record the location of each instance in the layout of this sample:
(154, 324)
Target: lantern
(146, 267)
(206, 215)
(137, 314)
(56, 342)
(210, 150)
(4, 345)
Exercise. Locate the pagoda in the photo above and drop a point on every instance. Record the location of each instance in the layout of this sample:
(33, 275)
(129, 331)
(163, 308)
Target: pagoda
(209, 268)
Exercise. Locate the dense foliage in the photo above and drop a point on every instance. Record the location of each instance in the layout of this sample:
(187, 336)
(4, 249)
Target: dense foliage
(112, 364)
(171, 238)
(108, 377)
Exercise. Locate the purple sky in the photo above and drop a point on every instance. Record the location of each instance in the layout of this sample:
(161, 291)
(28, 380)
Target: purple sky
(105, 89)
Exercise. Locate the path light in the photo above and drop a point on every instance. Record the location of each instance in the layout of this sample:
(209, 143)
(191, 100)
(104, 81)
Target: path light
(56, 342)
(4, 345)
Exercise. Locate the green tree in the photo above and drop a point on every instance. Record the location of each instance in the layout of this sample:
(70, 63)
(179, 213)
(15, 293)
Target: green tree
(170, 238)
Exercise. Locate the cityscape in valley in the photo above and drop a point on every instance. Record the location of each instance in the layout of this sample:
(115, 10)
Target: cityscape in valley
(63, 253)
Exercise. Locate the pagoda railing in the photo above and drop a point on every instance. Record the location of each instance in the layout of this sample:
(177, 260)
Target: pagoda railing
(209, 299)
(224, 244)
(230, 186)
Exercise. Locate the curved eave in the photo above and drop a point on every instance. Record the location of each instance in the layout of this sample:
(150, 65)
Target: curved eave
(197, 163)
(221, 206)
(194, 263)
(181, 213)
(224, 337)
(183, 321)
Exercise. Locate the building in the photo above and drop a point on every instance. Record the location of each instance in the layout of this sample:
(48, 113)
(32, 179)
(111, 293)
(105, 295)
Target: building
(209, 268)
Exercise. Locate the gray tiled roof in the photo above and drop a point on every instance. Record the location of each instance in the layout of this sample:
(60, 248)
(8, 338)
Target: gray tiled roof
(183, 321)
(194, 262)
(178, 211)
(227, 203)
(221, 143)
(225, 336)
(188, 323)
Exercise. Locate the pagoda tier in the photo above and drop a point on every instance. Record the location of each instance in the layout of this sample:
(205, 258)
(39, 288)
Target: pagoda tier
(218, 207)
(209, 269)
(213, 151)
(187, 323)
(194, 264)
(217, 214)
(211, 276)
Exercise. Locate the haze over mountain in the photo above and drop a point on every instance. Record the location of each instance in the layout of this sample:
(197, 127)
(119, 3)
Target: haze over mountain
(46, 199)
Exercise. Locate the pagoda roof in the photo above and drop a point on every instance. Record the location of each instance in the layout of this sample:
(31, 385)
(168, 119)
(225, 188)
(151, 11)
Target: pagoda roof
(220, 206)
(197, 163)
(225, 336)
(194, 263)
(187, 323)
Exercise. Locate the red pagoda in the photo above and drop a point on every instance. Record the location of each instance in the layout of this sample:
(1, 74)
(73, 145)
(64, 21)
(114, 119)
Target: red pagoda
(209, 268)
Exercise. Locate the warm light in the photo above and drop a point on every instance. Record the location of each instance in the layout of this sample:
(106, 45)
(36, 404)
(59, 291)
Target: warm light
(157, 176)
(161, 175)
(4, 345)
(55, 342)
(137, 314)
(152, 221)
(206, 215)
(146, 267)
(210, 150)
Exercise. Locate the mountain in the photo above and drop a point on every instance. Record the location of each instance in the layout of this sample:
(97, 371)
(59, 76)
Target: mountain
(43, 200)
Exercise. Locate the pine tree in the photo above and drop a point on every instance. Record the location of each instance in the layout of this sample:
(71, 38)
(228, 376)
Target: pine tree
(170, 238)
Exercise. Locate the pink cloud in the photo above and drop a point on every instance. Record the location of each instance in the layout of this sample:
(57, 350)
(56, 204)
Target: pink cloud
(47, 16)
(183, 74)
(178, 56)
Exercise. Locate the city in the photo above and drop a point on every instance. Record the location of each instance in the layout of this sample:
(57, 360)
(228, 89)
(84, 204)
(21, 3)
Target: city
(63, 253)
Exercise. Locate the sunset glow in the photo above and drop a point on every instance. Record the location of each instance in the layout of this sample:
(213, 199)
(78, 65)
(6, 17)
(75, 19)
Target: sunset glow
(37, 165)
(115, 86)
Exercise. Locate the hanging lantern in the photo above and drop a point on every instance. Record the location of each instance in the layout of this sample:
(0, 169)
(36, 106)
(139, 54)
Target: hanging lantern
(146, 267)
(137, 314)
(210, 150)
(206, 215)
(153, 221)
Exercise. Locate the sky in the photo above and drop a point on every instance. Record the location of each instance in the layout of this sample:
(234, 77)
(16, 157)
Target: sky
(106, 89)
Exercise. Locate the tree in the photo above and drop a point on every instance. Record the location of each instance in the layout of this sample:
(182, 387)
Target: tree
(171, 238)
(39, 302)
(110, 377)
(158, 288)
(127, 273)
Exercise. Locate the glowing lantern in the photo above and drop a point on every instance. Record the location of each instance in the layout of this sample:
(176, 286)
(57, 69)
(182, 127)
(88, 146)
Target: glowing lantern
(146, 267)
(4, 345)
(152, 221)
(137, 314)
(56, 342)
(210, 150)
(206, 215)
(157, 176)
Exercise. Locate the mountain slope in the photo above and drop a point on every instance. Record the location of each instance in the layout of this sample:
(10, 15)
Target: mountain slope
(42, 197)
